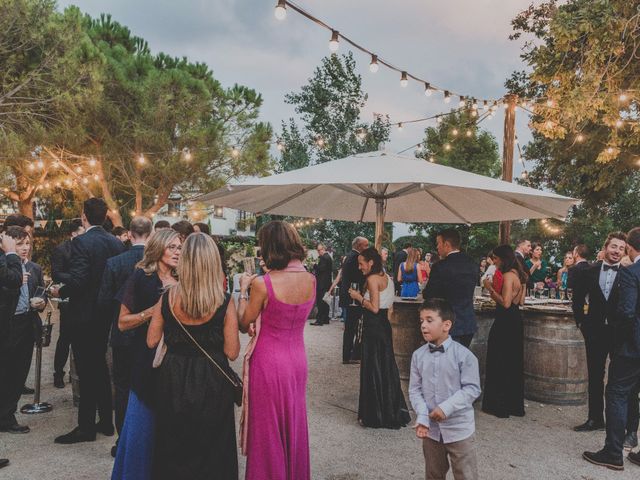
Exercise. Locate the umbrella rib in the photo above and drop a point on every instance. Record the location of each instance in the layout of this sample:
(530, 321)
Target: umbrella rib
(404, 191)
(350, 190)
(289, 198)
(541, 211)
(364, 208)
(446, 205)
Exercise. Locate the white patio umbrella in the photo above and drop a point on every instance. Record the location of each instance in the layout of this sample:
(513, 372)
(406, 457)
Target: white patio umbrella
(381, 186)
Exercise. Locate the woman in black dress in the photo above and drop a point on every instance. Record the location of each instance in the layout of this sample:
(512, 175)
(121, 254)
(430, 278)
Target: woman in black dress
(381, 403)
(195, 426)
(154, 273)
(504, 382)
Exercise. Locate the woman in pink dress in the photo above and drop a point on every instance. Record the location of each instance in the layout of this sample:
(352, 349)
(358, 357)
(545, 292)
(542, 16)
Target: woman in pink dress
(277, 436)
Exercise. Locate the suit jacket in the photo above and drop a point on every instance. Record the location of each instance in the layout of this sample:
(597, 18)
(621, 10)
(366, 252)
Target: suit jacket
(601, 311)
(89, 254)
(574, 271)
(10, 282)
(323, 271)
(627, 326)
(116, 272)
(61, 262)
(398, 257)
(455, 279)
(350, 274)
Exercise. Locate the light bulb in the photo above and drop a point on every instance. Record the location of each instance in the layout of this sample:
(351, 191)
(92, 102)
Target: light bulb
(279, 146)
(85, 180)
(462, 101)
(281, 10)
(580, 138)
(469, 133)
(623, 97)
(548, 124)
(78, 169)
(619, 123)
(447, 147)
(485, 105)
(431, 159)
(404, 81)
(334, 43)
(320, 142)
(549, 103)
(438, 120)
(92, 162)
(186, 154)
(455, 132)
(40, 164)
(610, 150)
(96, 177)
(474, 104)
(400, 127)
(141, 159)
(235, 152)
(447, 96)
(419, 148)
(474, 113)
(32, 167)
(428, 90)
(373, 66)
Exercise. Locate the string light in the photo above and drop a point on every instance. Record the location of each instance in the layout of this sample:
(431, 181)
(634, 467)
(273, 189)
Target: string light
(404, 81)
(432, 160)
(469, 133)
(92, 162)
(40, 164)
(580, 138)
(281, 10)
(361, 134)
(619, 123)
(141, 159)
(32, 167)
(623, 97)
(455, 132)
(186, 154)
(280, 146)
(427, 89)
(474, 104)
(400, 126)
(373, 66)
(474, 113)
(235, 152)
(320, 142)
(485, 105)
(334, 43)
(447, 96)
(462, 101)
(78, 169)
(447, 147)
(549, 103)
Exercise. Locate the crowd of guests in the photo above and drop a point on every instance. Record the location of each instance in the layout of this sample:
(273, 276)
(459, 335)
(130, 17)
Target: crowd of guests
(157, 295)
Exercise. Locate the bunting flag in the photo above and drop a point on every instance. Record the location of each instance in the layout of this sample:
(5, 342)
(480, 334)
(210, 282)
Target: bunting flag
(58, 222)
(42, 223)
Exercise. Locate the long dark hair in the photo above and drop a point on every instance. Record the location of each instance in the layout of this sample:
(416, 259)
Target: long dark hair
(509, 261)
(371, 254)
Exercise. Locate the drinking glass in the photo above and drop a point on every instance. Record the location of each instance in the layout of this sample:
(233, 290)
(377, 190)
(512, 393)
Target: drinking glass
(552, 293)
(38, 297)
(562, 293)
(354, 286)
(569, 293)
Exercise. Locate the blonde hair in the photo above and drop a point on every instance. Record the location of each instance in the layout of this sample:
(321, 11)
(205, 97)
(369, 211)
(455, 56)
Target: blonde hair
(201, 284)
(154, 249)
(412, 258)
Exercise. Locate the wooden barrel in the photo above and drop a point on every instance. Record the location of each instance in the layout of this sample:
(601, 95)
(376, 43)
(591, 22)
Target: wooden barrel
(555, 364)
(407, 338)
(479, 343)
(75, 379)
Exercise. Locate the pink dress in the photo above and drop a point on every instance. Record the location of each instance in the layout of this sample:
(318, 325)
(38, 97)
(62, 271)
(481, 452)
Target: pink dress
(277, 433)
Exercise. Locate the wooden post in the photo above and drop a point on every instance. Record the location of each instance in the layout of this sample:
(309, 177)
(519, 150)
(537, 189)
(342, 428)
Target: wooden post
(508, 145)
(379, 223)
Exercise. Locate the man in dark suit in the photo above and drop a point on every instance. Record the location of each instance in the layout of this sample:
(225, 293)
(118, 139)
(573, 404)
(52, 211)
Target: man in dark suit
(580, 259)
(523, 251)
(60, 267)
(351, 274)
(455, 278)
(89, 325)
(624, 369)
(323, 270)
(24, 325)
(598, 283)
(398, 258)
(116, 272)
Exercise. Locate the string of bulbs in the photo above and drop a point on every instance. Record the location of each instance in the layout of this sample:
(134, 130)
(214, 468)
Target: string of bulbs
(376, 60)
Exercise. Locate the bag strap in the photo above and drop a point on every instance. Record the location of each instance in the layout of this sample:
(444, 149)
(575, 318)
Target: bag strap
(205, 353)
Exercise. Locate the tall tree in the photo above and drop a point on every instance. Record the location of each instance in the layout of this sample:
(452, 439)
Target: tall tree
(460, 143)
(329, 106)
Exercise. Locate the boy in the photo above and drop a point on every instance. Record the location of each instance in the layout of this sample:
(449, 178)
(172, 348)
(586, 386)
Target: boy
(17, 349)
(444, 382)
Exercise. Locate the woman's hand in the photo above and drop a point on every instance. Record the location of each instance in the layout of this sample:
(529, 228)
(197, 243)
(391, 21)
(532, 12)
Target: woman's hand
(355, 295)
(488, 283)
(245, 281)
(252, 330)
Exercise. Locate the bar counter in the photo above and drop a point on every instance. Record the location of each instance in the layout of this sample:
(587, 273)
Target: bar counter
(555, 366)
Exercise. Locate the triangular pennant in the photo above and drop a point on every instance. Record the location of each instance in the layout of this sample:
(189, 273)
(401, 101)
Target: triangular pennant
(42, 223)
(58, 222)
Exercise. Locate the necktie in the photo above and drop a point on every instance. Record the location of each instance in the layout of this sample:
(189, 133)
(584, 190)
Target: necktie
(433, 348)
(606, 267)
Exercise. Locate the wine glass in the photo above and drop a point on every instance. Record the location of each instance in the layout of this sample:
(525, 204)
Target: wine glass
(354, 286)
(569, 293)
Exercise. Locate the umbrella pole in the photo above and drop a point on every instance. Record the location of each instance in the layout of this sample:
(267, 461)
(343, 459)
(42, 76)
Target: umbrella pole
(379, 223)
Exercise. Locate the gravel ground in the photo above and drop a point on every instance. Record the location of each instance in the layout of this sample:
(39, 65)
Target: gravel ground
(539, 446)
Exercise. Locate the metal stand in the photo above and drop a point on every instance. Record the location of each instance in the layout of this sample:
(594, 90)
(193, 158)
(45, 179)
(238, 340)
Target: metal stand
(43, 341)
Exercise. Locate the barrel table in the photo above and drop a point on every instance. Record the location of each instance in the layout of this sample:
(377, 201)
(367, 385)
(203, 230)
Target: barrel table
(555, 366)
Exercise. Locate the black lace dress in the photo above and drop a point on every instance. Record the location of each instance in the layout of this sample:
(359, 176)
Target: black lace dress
(195, 432)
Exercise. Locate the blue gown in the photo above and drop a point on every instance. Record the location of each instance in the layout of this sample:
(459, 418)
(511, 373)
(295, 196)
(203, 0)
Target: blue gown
(410, 287)
(134, 457)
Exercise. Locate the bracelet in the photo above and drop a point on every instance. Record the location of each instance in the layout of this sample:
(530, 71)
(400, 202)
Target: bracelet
(243, 296)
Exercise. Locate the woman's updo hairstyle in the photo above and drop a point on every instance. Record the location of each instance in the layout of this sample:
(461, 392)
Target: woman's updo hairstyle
(279, 244)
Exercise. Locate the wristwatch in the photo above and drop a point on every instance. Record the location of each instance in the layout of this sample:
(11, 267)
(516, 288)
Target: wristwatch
(142, 315)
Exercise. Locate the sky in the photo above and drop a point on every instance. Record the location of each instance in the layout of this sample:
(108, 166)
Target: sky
(461, 45)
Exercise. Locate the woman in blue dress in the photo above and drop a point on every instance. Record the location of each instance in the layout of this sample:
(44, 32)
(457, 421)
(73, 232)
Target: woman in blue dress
(409, 274)
(138, 297)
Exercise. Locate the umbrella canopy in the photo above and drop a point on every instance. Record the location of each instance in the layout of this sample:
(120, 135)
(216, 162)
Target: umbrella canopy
(380, 186)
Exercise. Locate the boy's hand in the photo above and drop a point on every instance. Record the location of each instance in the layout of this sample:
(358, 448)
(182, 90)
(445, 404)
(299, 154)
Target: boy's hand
(437, 415)
(421, 431)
